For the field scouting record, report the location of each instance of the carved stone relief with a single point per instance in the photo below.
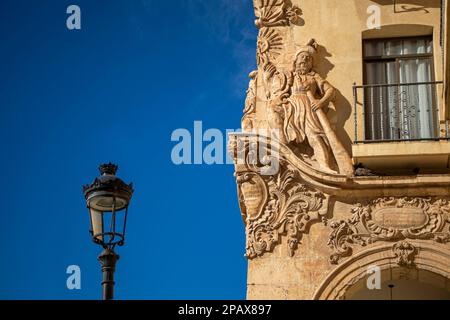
(269, 45)
(276, 205)
(297, 98)
(391, 219)
(404, 253)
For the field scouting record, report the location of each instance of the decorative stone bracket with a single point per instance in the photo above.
(273, 205)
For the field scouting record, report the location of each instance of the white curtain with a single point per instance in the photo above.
(416, 101)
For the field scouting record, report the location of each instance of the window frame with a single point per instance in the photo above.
(396, 58)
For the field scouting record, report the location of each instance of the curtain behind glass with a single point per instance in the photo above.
(381, 102)
(416, 101)
(378, 48)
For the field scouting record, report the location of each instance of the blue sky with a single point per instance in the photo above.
(114, 91)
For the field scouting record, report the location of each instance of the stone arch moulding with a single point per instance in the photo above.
(430, 257)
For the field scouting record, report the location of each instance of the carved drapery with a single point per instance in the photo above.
(391, 219)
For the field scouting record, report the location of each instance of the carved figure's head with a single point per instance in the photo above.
(304, 57)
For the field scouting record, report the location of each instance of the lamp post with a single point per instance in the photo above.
(107, 200)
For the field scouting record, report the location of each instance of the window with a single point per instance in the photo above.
(399, 96)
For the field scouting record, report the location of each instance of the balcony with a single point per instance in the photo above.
(399, 126)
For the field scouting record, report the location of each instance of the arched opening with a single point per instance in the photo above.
(426, 277)
(401, 284)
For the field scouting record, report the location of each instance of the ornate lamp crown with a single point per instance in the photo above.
(108, 168)
(109, 182)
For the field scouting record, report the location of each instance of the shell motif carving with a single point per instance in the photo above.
(275, 13)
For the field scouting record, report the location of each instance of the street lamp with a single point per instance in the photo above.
(107, 199)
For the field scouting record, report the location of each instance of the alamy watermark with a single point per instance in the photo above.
(256, 148)
(374, 19)
(73, 281)
(374, 278)
(73, 21)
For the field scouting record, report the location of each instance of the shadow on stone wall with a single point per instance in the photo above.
(343, 106)
(399, 6)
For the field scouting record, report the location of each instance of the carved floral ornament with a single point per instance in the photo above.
(391, 219)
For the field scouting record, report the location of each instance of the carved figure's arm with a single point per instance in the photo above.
(328, 93)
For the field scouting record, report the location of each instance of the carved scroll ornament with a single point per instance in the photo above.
(391, 219)
(275, 205)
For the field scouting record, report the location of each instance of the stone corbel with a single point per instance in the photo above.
(273, 205)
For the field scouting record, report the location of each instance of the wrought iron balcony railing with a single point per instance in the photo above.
(397, 112)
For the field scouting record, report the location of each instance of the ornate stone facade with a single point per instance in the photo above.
(313, 223)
